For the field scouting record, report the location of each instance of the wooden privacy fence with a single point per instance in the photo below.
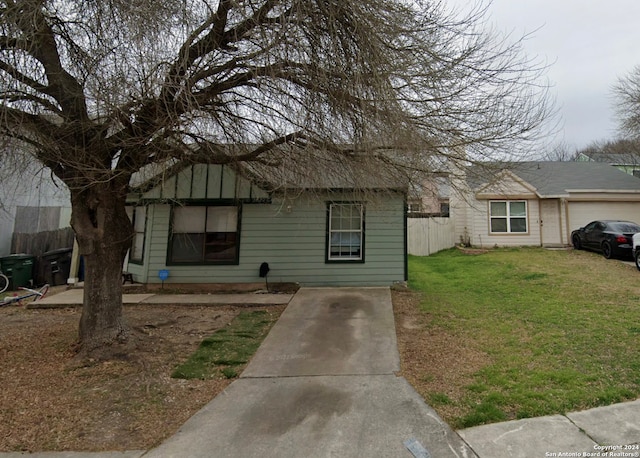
(429, 235)
(41, 242)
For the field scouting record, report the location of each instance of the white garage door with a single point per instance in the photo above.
(581, 213)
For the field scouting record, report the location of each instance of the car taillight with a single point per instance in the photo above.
(621, 239)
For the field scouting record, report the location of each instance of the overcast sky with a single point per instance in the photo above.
(589, 45)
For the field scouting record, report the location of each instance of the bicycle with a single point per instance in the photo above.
(36, 294)
(4, 282)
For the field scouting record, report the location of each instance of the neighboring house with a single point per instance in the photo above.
(430, 196)
(218, 224)
(429, 228)
(539, 203)
(30, 201)
(627, 162)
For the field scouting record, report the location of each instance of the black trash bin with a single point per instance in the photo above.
(57, 265)
(19, 269)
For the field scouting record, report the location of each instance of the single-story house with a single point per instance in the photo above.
(538, 203)
(218, 224)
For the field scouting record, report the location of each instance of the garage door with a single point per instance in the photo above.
(581, 213)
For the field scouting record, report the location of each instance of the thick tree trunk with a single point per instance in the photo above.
(103, 232)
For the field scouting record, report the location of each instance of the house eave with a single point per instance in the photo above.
(339, 189)
(553, 196)
(505, 196)
(604, 191)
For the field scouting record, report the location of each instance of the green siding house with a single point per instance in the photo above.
(208, 224)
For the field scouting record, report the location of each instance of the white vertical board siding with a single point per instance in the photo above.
(293, 243)
(426, 236)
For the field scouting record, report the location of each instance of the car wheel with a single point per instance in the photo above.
(637, 257)
(576, 242)
(607, 252)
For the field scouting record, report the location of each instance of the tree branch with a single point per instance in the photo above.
(22, 78)
(20, 96)
(62, 86)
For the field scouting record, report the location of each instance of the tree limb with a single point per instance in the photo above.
(62, 85)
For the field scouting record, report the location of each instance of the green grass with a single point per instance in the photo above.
(225, 353)
(561, 329)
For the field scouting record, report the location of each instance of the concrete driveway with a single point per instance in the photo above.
(331, 332)
(321, 385)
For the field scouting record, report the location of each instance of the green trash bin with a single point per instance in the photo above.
(19, 269)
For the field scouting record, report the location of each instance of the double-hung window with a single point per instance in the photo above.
(345, 241)
(138, 217)
(205, 235)
(509, 216)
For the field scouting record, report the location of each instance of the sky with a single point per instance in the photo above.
(589, 45)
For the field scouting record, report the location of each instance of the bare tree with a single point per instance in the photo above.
(624, 151)
(561, 152)
(96, 90)
(627, 103)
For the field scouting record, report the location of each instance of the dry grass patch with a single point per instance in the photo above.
(48, 404)
(438, 365)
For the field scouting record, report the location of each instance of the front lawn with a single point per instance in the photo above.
(544, 332)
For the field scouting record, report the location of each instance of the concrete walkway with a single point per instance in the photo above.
(74, 297)
(612, 431)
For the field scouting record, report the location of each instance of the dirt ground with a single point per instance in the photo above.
(433, 362)
(47, 403)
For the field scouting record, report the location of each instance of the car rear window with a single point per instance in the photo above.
(625, 227)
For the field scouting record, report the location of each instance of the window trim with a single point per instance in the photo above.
(333, 260)
(508, 217)
(206, 204)
(414, 207)
(132, 260)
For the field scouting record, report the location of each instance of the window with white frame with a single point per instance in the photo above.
(508, 216)
(345, 241)
(138, 217)
(414, 207)
(204, 235)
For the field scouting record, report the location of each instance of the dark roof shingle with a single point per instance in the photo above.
(558, 178)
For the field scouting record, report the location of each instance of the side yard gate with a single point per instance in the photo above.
(428, 235)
